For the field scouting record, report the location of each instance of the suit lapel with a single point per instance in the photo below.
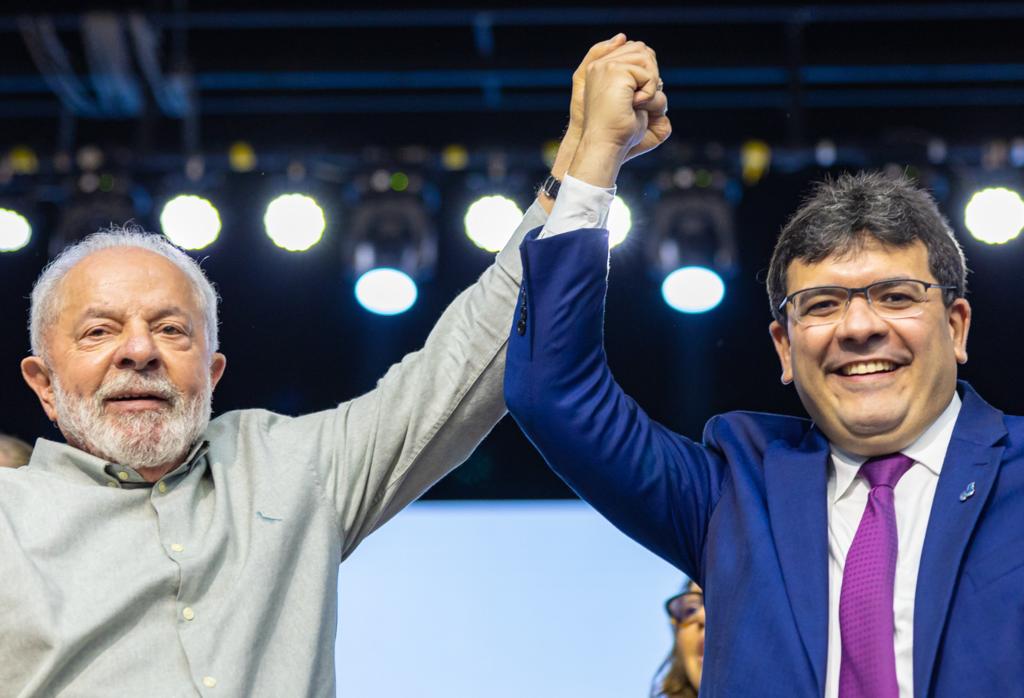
(795, 481)
(971, 458)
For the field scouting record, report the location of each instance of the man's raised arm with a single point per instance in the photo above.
(655, 485)
(378, 452)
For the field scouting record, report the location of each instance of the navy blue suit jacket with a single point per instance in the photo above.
(744, 512)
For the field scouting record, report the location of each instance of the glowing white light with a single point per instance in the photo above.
(693, 289)
(620, 220)
(995, 215)
(294, 222)
(491, 220)
(386, 291)
(15, 231)
(191, 222)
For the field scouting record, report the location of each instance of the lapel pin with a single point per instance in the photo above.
(968, 492)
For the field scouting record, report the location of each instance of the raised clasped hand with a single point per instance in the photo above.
(624, 107)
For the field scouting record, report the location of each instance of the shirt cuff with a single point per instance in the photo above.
(579, 205)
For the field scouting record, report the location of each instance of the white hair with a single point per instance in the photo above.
(46, 308)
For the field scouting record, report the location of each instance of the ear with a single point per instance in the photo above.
(780, 338)
(37, 374)
(959, 316)
(218, 363)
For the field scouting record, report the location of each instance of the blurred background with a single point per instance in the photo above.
(343, 173)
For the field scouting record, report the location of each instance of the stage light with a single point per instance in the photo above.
(389, 244)
(386, 291)
(620, 220)
(995, 215)
(693, 289)
(691, 228)
(87, 213)
(190, 222)
(295, 222)
(241, 157)
(491, 220)
(455, 157)
(15, 231)
(23, 160)
(825, 153)
(755, 158)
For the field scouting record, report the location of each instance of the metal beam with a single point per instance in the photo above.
(582, 16)
(418, 80)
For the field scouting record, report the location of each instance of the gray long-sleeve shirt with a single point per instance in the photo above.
(221, 579)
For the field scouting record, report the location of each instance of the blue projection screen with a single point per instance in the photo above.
(503, 600)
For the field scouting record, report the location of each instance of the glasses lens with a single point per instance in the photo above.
(898, 299)
(684, 606)
(819, 305)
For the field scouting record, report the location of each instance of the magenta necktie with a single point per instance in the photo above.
(868, 668)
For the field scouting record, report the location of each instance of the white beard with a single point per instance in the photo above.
(139, 440)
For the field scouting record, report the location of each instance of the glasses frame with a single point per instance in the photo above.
(683, 621)
(861, 290)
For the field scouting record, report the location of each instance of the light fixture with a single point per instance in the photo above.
(295, 222)
(190, 222)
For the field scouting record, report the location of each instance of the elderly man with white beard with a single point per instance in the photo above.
(158, 553)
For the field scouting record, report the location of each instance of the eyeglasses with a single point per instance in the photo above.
(826, 305)
(683, 607)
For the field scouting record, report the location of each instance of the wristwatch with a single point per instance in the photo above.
(550, 187)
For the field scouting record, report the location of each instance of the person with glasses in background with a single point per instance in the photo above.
(875, 550)
(679, 674)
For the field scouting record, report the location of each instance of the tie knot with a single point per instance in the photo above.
(886, 470)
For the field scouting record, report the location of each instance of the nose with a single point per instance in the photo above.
(138, 351)
(861, 323)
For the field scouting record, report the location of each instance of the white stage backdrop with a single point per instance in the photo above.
(501, 600)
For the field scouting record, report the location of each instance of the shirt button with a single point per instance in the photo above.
(161, 486)
(113, 484)
(209, 681)
(122, 475)
(177, 547)
(188, 613)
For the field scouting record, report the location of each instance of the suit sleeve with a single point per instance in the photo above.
(656, 486)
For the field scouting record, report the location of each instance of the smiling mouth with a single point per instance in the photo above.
(138, 400)
(864, 368)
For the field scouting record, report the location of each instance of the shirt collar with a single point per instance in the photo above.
(929, 450)
(70, 462)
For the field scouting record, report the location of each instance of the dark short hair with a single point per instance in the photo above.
(842, 214)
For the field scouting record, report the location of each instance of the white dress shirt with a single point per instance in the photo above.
(579, 205)
(847, 498)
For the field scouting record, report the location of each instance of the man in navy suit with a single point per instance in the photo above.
(903, 482)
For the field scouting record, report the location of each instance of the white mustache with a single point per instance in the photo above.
(158, 386)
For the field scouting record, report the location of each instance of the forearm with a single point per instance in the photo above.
(563, 159)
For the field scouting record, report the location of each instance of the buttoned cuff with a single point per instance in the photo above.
(579, 205)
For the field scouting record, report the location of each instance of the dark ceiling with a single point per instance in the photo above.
(327, 76)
